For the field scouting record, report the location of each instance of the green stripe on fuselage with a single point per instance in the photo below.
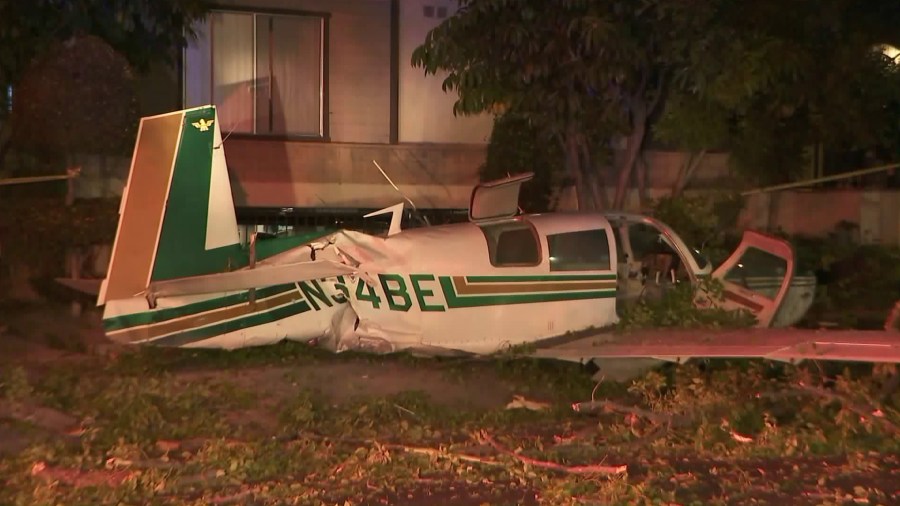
(542, 277)
(455, 301)
(199, 334)
(165, 314)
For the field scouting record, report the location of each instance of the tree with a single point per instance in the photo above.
(768, 79)
(70, 66)
(763, 80)
(585, 71)
(517, 146)
(62, 107)
(143, 31)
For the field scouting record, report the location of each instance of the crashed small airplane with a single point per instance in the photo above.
(180, 276)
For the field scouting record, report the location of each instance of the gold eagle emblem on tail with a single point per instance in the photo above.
(203, 124)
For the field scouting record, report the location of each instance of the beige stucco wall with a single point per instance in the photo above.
(425, 110)
(875, 214)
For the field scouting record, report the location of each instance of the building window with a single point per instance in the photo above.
(264, 72)
(586, 250)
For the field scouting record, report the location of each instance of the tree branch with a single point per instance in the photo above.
(864, 411)
(421, 450)
(588, 469)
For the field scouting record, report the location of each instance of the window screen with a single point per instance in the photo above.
(586, 250)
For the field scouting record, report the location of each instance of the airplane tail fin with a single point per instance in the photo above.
(177, 214)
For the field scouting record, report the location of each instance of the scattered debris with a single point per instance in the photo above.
(520, 402)
(588, 469)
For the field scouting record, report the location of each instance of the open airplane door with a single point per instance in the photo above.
(497, 200)
(758, 258)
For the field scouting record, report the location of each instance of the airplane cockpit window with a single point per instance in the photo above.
(511, 244)
(645, 240)
(657, 258)
(586, 250)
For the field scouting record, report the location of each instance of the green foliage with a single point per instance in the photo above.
(14, 385)
(767, 80)
(858, 284)
(518, 146)
(144, 31)
(78, 91)
(37, 230)
(63, 106)
(707, 221)
(762, 81)
(583, 71)
(688, 433)
(679, 308)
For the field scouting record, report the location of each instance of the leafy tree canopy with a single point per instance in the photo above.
(582, 70)
(62, 107)
(763, 79)
(767, 79)
(144, 31)
(64, 49)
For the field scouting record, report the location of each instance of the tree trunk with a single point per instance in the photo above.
(588, 187)
(570, 151)
(633, 147)
(593, 178)
(642, 169)
(687, 172)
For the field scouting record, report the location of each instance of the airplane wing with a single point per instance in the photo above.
(245, 279)
(787, 345)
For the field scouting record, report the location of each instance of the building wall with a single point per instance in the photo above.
(343, 175)
(358, 56)
(359, 72)
(425, 110)
(874, 214)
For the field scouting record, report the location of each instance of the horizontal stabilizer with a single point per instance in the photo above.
(246, 279)
(86, 286)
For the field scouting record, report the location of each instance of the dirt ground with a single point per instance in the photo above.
(85, 421)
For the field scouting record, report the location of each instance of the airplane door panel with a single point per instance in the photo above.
(757, 276)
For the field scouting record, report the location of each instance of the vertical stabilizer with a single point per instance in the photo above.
(177, 215)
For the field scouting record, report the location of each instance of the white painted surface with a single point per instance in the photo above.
(221, 223)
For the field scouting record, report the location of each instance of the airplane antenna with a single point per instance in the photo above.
(233, 128)
(411, 203)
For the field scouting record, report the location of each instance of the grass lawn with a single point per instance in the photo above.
(84, 422)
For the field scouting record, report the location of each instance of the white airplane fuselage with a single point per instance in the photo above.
(442, 287)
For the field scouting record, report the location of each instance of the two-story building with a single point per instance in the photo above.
(311, 92)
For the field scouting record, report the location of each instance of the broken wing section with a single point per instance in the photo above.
(789, 345)
(757, 276)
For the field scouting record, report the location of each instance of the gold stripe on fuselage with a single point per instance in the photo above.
(464, 288)
(154, 330)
